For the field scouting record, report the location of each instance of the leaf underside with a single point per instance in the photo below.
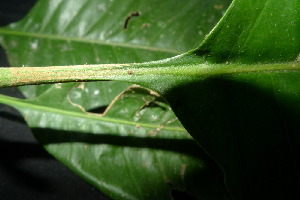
(238, 95)
(138, 149)
(243, 106)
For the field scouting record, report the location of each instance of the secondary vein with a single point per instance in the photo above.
(6, 31)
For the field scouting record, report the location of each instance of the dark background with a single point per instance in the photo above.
(27, 171)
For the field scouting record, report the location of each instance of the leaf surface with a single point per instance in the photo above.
(137, 150)
(238, 96)
(126, 155)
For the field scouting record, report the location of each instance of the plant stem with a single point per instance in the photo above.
(17, 76)
(146, 74)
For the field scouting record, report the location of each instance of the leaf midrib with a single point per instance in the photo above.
(200, 70)
(15, 102)
(7, 31)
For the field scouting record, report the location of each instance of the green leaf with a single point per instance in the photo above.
(136, 150)
(242, 103)
(255, 32)
(62, 32)
(89, 31)
(237, 95)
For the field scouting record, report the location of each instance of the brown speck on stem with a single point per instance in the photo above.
(130, 72)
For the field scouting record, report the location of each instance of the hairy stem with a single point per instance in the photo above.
(181, 68)
(17, 76)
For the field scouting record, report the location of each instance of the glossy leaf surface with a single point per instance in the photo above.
(242, 103)
(62, 32)
(241, 109)
(238, 94)
(137, 150)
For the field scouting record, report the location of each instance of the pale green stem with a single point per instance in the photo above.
(149, 73)
(17, 76)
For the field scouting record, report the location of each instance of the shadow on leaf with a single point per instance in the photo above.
(249, 123)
